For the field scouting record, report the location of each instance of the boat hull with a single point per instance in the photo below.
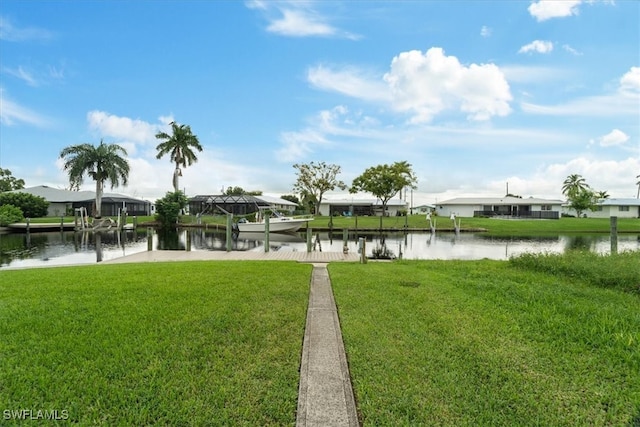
(276, 225)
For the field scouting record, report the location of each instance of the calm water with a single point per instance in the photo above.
(67, 248)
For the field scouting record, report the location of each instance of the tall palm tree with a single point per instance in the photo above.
(573, 185)
(638, 184)
(105, 162)
(179, 146)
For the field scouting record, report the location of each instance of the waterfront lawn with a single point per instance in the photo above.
(194, 343)
(487, 343)
(491, 225)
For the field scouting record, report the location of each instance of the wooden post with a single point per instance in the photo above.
(188, 239)
(149, 239)
(345, 241)
(362, 244)
(135, 222)
(614, 234)
(266, 234)
(28, 222)
(229, 228)
(309, 232)
(62, 223)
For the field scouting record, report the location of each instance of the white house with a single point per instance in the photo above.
(514, 207)
(606, 208)
(361, 207)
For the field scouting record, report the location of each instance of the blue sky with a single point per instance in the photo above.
(474, 94)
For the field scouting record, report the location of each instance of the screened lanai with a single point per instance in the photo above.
(235, 204)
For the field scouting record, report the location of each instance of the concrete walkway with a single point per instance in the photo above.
(325, 396)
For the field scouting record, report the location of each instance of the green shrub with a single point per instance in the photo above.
(30, 205)
(169, 207)
(10, 214)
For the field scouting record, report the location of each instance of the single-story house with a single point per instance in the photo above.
(238, 204)
(422, 209)
(64, 202)
(606, 208)
(361, 207)
(514, 207)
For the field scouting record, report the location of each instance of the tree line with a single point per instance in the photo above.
(107, 163)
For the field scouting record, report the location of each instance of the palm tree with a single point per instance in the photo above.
(601, 195)
(101, 163)
(573, 185)
(179, 146)
(638, 184)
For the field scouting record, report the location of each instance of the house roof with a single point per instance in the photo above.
(56, 195)
(360, 202)
(499, 201)
(619, 202)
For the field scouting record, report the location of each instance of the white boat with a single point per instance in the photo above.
(277, 223)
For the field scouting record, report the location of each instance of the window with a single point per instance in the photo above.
(545, 207)
(623, 208)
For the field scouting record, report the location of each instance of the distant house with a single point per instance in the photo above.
(606, 208)
(514, 207)
(238, 204)
(64, 202)
(422, 209)
(361, 207)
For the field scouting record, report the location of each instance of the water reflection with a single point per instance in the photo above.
(66, 248)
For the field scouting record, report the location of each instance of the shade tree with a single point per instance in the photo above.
(313, 180)
(385, 181)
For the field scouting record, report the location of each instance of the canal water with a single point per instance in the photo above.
(72, 248)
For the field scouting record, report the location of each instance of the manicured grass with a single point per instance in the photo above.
(492, 225)
(195, 343)
(487, 343)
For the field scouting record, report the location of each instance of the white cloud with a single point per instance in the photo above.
(534, 74)
(539, 46)
(615, 137)
(11, 33)
(350, 81)
(23, 75)
(485, 31)
(122, 128)
(625, 101)
(300, 24)
(12, 113)
(547, 9)
(297, 19)
(430, 83)
(630, 81)
(571, 50)
(614, 176)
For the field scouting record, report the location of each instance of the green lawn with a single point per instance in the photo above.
(488, 343)
(542, 340)
(491, 225)
(196, 343)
